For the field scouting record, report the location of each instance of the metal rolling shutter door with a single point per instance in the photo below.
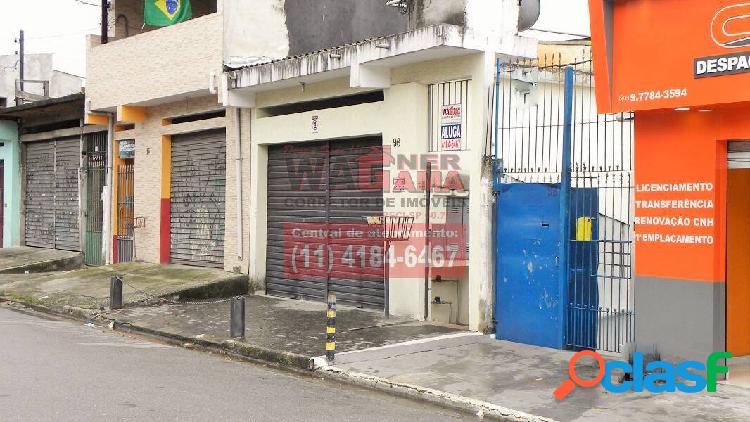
(310, 185)
(739, 155)
(39, 200)
(297, 196)
(67, 164)
(198, 191)
(356, 174)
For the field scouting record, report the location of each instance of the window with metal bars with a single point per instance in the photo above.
(448, 114)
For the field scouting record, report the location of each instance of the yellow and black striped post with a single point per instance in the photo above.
(331, 328)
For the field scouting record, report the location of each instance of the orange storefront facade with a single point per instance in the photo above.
(683, 67)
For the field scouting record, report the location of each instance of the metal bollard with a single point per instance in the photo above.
(115, 292)
(331, 329)
(237, 318)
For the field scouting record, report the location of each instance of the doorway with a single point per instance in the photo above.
(738, 249)
(198, 198)
(96, 179)
(125, 195)
(52, 194)
(330, 185)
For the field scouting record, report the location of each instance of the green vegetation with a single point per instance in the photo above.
(27, 299)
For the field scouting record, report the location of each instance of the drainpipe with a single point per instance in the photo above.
(238, 170)
(428, 251)
(108, 207)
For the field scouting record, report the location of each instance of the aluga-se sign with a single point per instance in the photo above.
(451, 127)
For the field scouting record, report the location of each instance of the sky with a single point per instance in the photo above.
(59, 26)
(564, 16)
(50, 26)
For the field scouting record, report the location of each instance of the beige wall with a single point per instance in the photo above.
(148, 68)
(235, 258)
(404, 115)
(148, 137)
(167, 71)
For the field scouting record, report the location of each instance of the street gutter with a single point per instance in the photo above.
(302, 365)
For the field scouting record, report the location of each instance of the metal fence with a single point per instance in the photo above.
(528, 148)
(96, 173)
(125, 235)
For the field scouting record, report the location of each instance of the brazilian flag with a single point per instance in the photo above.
(166, 12)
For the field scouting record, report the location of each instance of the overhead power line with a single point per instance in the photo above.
(88, 3)
(550, 31)
(63, 35)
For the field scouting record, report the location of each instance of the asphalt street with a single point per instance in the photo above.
(58, 370)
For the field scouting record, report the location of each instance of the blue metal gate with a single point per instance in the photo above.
(530, 302)
(563, 184)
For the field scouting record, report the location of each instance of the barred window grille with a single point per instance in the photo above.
(443, 95)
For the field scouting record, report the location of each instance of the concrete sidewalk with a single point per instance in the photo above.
(35, 260)
(441, 364)
(88, 288)
(522, 378)
(282, 325)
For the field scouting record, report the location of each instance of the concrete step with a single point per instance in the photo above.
(34, 260)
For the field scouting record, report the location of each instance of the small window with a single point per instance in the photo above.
(449, 102)
(3, 102)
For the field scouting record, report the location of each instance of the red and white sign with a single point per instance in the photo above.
(451, 127)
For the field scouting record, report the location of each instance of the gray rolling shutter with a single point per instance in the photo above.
(356, 180)
(67, 164)
(739, 155)
(52, 195)
(297, 197)
(39, 200)
(198, 191)
(320, 186)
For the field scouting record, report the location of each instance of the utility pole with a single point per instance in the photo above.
(21, 54)
(105, 22)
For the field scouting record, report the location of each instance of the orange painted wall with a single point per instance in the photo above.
(738, 262)
(679, 147)
(165, 236)
(653, 47)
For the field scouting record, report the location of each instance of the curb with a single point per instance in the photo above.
(69, 312)
(299, 364)
(440, 398)
(233, 348)
(64, 264)
(224, 288)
